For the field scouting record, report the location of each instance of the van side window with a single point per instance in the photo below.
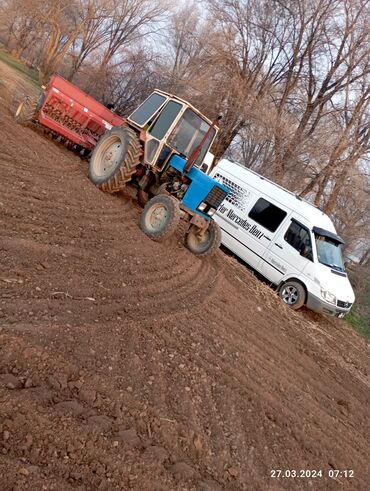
(267, 214)
(299, 238)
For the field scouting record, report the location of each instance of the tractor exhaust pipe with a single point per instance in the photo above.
(197, 150)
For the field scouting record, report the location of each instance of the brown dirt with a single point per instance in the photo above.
(128, 364)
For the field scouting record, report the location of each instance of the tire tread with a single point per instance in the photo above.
(215, 243)
(127, 168)
(172, 224)
(28, 111)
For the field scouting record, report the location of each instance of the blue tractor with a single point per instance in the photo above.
(163, 150)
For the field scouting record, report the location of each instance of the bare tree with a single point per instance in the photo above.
(97, 14)
(64, 22)
(21, 21)
(185, 40)
(127, 84)
(352, 144)
(130, 21)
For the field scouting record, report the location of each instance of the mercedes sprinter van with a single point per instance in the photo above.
(288, 240)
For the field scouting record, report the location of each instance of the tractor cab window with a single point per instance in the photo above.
(165, 119)
(147, 109)
(188, 133)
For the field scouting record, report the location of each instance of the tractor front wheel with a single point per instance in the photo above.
(160, 217)
(206, 243)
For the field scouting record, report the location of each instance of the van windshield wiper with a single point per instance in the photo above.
(325, 264)
(332, 266)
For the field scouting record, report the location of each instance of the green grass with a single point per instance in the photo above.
(359, 323)
(27, 73)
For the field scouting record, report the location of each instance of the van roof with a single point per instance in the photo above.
(286, 198)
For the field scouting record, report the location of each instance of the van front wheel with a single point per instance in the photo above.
(293, 294)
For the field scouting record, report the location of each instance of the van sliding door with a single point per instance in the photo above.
(239, 234)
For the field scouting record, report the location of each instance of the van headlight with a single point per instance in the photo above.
(329, 297)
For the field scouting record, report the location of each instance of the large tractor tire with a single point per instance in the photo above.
(114, 159)
(26, 111)
(160, 217)
(204, 244)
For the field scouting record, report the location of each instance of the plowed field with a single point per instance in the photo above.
(128, 364)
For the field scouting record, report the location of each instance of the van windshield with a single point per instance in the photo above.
(329, 252)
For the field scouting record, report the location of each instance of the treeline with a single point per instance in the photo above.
(291, 79)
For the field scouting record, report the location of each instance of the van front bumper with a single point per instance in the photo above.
(319, 305)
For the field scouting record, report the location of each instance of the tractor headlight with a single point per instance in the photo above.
(211, 212)
(329, 297)
(202, 206)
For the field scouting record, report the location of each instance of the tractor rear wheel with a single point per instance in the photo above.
(26, 111)
(206, 243)
(114, 159)
(160, 217)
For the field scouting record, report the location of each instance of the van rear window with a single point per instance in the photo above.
(267, 214)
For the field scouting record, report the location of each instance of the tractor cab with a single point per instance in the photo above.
(169, 125)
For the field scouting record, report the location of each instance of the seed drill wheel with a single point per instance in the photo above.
(114, 159)
(160, 217)
(206, 243)
(26, 111)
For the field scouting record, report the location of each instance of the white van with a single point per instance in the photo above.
(289, 241)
